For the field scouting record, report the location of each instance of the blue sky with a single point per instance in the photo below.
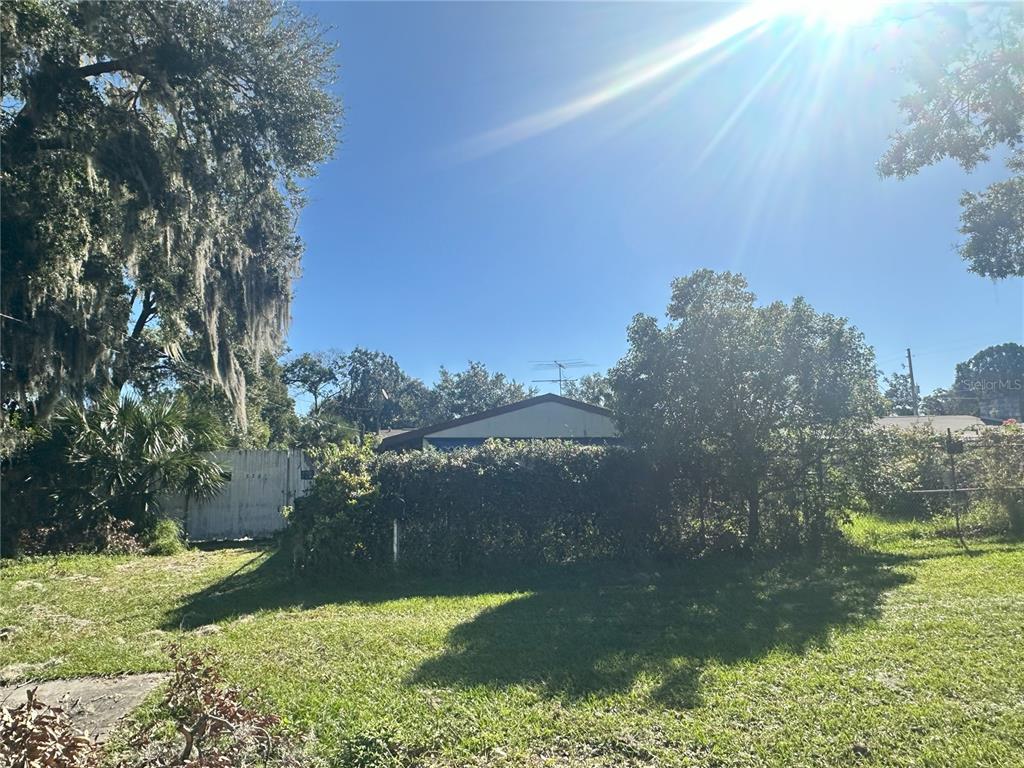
(467, 217)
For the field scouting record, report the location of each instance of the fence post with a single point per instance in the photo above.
(953, 447)
(394, 540)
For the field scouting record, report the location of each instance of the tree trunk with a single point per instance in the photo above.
(124, 368)
(753, 519)
(703, 507)
(816, 530)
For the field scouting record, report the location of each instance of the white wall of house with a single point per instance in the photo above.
(541, 420)
(250, 504)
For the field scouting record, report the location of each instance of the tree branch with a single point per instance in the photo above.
(145, 314)
(43, 98)
(104, 67)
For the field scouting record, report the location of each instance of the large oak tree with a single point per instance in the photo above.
(152, 155)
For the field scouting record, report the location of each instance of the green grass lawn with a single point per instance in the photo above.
(905, 651)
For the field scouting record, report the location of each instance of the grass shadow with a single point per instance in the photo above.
(601, 638)
(594, 629)
(266, 581)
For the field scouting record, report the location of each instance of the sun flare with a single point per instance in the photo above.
(687, 57)
(835, 14)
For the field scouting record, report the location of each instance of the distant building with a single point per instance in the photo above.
(937, 424)
(546, 417)
(1001, 402)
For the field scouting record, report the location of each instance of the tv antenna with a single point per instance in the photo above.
(561, 366)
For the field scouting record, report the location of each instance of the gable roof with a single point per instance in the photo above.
(415, 435)
(383, 434)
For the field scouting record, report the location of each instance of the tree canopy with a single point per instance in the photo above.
(314, 374)
(594, 388)
(967, 102)
(369, 390)
(944, 402)
(746, 404)
(992, 381)
(152, 155)
(900, 393)
(473, 390)
(373, 392)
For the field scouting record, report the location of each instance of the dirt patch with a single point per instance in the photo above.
(28, 584)
(12, 673)
(94, 704)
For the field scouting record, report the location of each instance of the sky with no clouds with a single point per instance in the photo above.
(515, 181)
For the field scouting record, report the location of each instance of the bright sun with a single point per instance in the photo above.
(684, 58)
(831, 13)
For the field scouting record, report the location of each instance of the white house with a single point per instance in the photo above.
(536, 418)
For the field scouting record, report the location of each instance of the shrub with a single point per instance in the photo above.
(541, 501)
(899, 464)
(547, 502)
(895, 463)
(510, 503)
(116, 537)
(112, 461)
(333, 525)
(994, 463)
(166, 538)
(109, 535)
(536, 501)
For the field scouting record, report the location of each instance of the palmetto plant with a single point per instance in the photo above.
(126, 455)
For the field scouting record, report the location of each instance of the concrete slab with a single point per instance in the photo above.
(94, 704)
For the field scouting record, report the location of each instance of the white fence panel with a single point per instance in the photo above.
(250, 505)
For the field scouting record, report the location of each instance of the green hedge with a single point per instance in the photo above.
(515, 502)
(541, 501)
(550, 502)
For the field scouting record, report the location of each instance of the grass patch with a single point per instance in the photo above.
(902, 651)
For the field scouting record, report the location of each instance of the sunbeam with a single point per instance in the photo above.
(636, 74)
(713, 43)
(737, 113)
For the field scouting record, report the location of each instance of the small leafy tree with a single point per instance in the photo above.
(314, 374)
(333, 525)
(738, 406)
(900, 394)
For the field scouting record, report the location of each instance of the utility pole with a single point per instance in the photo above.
(913, 386)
